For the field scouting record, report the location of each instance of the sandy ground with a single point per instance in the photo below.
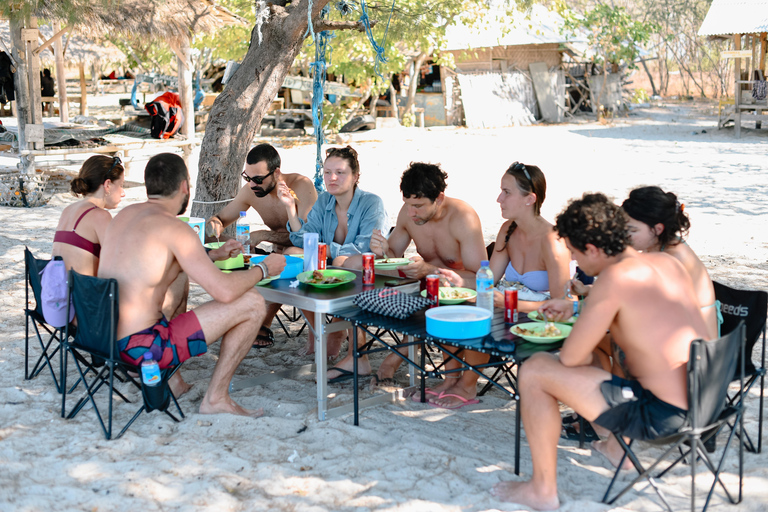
(404, 456)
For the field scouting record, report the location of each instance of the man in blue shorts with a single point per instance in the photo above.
(648, 303)
(146, 247)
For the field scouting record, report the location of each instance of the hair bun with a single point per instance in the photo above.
(78, 186)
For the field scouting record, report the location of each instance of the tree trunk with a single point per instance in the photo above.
(21, 86)
(393, 101)
(237, 112)
(650, 77)
(418, 61)
(186, 97)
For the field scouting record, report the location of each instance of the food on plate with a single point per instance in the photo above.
(451, 293)
(319, 278)
(549, 331)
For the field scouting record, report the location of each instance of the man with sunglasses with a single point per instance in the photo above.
(262, 174)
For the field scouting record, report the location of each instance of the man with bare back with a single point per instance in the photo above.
(447, 234)
(262, 175)
(633, 288)
(146, 248)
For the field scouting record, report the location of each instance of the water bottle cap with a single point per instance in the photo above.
(485, 263)
(147, 355)
(242, 214)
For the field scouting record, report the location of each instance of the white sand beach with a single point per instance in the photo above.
(404, 456)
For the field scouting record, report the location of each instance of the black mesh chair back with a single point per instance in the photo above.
(97, 312)
(48, 337)
(751, 307)
(710, 367)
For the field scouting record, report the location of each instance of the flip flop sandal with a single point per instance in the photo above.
(416, 397)
(377, 381)
(571, 433)
(344, 375)
(463, 402)
(265, 340)
(570, 419)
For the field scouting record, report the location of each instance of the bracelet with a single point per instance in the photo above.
(264, 271)
(576, 305)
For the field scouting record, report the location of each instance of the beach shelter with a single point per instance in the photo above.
(171, 21)
(745, 22)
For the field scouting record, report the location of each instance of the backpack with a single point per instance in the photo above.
(166, 115)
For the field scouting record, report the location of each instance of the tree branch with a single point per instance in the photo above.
(321, 25)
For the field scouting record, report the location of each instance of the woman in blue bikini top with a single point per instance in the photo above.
(527, 249)
(658, 223)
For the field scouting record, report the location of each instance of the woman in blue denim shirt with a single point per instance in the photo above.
(344, 217)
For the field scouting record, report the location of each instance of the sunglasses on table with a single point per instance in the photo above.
(256, 179)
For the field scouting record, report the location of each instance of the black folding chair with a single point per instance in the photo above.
(752, 308)
(96, 310)
(710, 367)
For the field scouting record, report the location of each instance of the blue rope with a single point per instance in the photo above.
(379, 49)
(318, 81)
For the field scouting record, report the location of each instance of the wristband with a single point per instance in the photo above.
(264, 271)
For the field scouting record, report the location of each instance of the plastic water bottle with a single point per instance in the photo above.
(484, 287)
(150, 370)
(243, 232)
(311, 241)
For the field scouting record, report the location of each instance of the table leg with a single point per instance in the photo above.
(517, 437)
(321, 362)
(423, 362)
(412, 357)
(355, 354)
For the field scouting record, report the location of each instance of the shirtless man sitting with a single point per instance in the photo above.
(146, 248)
(447, 234)
(632, 288)
(262, 175)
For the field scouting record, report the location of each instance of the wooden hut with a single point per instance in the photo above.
(745, 22)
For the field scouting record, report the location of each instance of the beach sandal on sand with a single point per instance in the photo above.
(571, 432)
(570, 419)
(416, 397)
(265, 338)
(377, 382)
(463, 402)
(344, 375)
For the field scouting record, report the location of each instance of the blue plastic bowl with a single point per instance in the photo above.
(293, 266)
(458, 322)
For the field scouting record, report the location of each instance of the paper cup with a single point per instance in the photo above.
(198, 224)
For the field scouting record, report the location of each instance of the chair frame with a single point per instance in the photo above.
(695, 436)
(106, 375)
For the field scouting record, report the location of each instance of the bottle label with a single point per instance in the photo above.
(242, 230)
(150, 374)
(484, 284)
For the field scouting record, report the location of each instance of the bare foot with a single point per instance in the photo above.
(524, 493)
(228, 406)
(333, 347)
(178, 385)
(611, 450)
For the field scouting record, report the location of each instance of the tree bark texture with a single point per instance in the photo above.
(417, 63)
(237, 112)
(21, 86)
(61, 79)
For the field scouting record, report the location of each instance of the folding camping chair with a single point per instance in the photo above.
(711, 365)
(96, 310)
(751, 307)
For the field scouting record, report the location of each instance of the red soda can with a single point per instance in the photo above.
(433, 288)
(322, 256)
(510, 306)
(369, 277)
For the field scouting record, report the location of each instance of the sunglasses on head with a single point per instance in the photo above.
(346, 151)
(115, 163)
(517, 166)
(256, 179)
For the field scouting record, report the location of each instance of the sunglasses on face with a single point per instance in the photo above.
(256, 179)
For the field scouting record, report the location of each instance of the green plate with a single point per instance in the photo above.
(446, 290)
(344, 275)
(565, 330)
(267, 281)
(390, 263)
(536, 317)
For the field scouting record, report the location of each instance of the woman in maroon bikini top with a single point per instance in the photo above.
(82, 224)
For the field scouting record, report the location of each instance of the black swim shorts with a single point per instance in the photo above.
(636, 412)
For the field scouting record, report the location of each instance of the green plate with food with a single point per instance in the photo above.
(267, 280)
(450, 295)
(538, 317)
(390, 263)
(540, 332)
(326, 278)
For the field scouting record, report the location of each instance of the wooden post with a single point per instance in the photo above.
(61, 79)
(31, 36)
(737, 90)
(763, 50)
(186, 95)
(83, 90)
(21, 85)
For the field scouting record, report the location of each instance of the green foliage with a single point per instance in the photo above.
(640, 95)
(409, 119)
(612, 32)
(334, 116)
